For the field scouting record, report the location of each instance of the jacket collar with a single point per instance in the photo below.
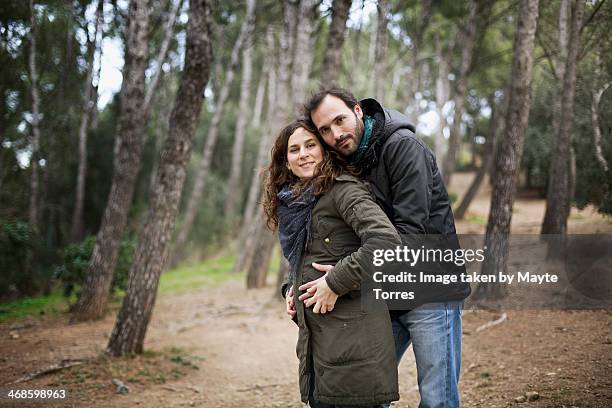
(372, 108)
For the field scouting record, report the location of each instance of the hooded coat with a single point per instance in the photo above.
(402, 173)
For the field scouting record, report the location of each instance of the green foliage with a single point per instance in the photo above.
(16, 248)
(76, 260)
(536, 158)
(26, 260)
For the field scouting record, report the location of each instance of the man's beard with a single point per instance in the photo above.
(357, 132)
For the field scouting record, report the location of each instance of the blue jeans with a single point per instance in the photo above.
(434, 329)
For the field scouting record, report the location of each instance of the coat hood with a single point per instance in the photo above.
(388, 121)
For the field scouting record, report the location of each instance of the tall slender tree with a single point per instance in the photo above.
(94, 47)
(35, 143)
(467, 43)
(557, 197)
(442, 96)
(249, 222)
(497, 112)
(380, 50)
(162, 54)
(241, 126)
(199, 185)
(257, 265)
(153, 247)
(510, 149)
(303, 52)
(93, 300)
(596, 129)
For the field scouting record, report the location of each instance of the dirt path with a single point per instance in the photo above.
(235, 348)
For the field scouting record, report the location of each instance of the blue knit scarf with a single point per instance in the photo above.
(294, 215)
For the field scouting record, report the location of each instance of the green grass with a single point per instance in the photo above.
(52, 304)
(211, 272)
(475, 219)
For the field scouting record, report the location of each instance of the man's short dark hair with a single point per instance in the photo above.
(315, 100)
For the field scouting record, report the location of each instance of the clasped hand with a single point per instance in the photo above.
(318, 293)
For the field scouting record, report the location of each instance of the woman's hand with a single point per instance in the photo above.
(290, 302)
(321, 296)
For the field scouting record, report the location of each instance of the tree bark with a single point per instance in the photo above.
(596, 129)
(162, 54)
(33, 217)
(239, 135)
(153, 247)
(557, 197)
(199, 186)
(259, 96)
(380, 50)
(260, 262)
(442, 95)
(93, 300)
(76, 230)
(510, 151)
(303, 51)
(467, 44)
(335, 40)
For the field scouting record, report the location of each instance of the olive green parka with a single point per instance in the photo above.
(348, 354)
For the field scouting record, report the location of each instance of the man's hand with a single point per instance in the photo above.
(290, 302)
(318, 267)
(321, 296)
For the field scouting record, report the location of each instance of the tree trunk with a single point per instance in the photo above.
(259, 95)
(414, 79)
(76, 230)
(380, 50)
(303, 51)
(260, 263)
(596, 129)
(467, 44)
(162, 54)
(442, 95)
(489, 153)
(153, 247)
(93, 300)
(557, 197)
(195, 198)
(241, 124)
(510, 151)
(335, 39)
(34, 176)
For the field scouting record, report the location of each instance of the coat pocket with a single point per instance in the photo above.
(341, 338)
(334, 240)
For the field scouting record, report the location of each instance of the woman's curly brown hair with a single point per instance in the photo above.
(278, 174)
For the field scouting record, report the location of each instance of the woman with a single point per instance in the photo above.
(327, 216)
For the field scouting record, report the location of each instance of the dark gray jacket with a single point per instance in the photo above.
(404, 177)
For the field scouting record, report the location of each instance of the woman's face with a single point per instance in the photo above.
(304, 152)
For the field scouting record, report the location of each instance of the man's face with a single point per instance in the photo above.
(340, 127)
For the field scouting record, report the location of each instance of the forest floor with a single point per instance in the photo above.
(219, 345)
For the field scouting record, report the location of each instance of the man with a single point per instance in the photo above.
(407, 184)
